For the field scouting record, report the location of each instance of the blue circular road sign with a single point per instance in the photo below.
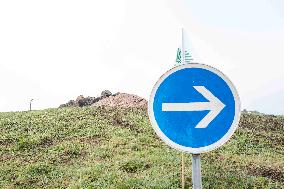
(194, 108)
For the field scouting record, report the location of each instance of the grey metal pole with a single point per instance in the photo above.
(31, 104)
(196, 171)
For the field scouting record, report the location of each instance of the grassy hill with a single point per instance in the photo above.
(117, 148)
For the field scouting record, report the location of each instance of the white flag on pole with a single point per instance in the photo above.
(185, 53)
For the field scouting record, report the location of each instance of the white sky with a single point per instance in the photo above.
(55, 50)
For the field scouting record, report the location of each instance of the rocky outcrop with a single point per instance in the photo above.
(70, 103)
(122, 100)
(107, 99)
(105, 93)
(82, 101)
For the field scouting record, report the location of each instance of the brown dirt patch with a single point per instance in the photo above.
(272, 172)
(122, 100)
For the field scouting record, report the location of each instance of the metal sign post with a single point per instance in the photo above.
(196, 171)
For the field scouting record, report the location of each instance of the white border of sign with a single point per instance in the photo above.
(213, 146)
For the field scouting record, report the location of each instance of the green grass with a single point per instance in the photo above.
(117, 148)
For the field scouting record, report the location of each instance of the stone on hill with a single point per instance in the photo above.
(88, 101)
(70, 103)
(106, 93)
(107, 99)
(80, 97)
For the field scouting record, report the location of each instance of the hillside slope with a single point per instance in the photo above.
(96, 147)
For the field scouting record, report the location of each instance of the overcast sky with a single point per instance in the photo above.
(55, 50)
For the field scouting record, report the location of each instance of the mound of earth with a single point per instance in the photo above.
(108, 99)
(87, 101)
(122, 100)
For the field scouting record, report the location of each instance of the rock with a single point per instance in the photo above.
(116, 94)
(70, 103)
(97, 99)
(105, 93)
(88, 101)
(79, 98)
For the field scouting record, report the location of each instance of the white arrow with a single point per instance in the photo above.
(214, 105)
